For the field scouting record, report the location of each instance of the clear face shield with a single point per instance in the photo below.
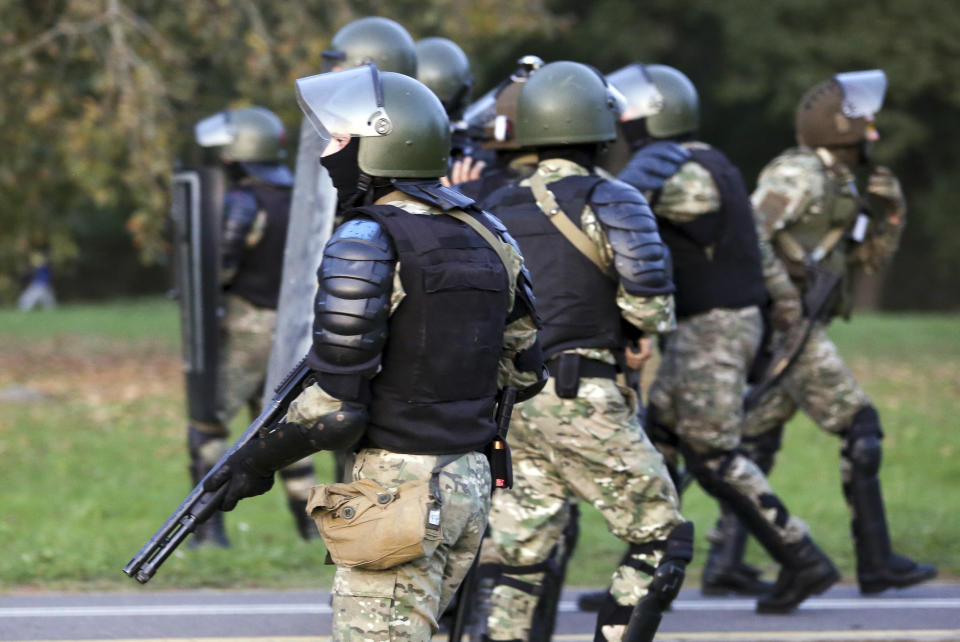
(863, 92)
(215, 131)
(641, 96)
(342, 104)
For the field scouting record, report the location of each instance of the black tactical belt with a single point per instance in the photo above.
(587, 368)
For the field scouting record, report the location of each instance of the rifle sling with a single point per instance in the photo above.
(549, 206)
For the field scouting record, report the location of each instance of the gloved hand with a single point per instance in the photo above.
(242, 477)
(885, 188)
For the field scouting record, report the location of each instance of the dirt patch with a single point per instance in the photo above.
(96, 370)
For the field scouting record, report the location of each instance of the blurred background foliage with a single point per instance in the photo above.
(99, 98)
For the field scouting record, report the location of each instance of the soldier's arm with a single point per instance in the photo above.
(242, 227)
(620, 223)
(349, 332)
(688, 195)
(887, 208)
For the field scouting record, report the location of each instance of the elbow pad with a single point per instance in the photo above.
(641, 258)
(353, 300)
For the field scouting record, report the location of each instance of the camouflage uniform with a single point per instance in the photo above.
(591, 448)
(405, 601)
(698, 390)
(799, 186)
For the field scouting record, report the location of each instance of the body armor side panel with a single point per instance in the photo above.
(437, 388)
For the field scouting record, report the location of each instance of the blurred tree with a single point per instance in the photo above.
(100, 97)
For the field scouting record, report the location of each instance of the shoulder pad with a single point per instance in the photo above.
(616, 191)
(360, 239)
(434, 193)
(652, 165)
(241, 204)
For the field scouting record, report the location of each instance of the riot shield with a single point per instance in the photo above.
(196, 212)
(312, 209)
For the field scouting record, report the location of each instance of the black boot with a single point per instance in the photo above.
(211, 532)
(878, 567)
(725, 572)
(809, 572)
(592, 601)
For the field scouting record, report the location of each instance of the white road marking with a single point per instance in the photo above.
(308, 608)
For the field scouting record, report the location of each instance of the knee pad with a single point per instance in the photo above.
(710, 468)
(862, 443)
(205, 446)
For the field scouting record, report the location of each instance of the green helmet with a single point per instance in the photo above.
(681, 103)
(837, 112)
(404, 131)
(494, 116)
(663, 96)
(444, 68)
(372, 39)
(251, 134)
(566, 103)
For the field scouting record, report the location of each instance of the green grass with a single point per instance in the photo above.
(92, 469)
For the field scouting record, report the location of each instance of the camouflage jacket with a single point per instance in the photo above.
(805, 189)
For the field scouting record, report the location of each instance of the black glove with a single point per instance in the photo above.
(242, 477)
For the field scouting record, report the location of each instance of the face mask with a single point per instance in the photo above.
(345, 173)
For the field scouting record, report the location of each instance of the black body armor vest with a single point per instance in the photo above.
(716, 257)
(575, 300)
(260, 272)
(437, 388)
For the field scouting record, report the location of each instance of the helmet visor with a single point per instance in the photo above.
(215, 131)
(345, 103)
(863, 92)
(641, 95)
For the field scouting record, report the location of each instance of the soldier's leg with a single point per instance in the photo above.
(206, 444)
(609, 462)
(526, 524)
(715, 358)
(245, 353)
(404, 602)
(725, 571)
(827, 391)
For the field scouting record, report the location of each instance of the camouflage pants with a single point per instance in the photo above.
(591, 448)
(404, 602)
(246, 337)
(698, 396)
(820, 384)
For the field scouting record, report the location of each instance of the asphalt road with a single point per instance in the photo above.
(930, 612)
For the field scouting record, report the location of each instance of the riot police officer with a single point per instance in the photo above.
(492, 121)
(598, 264)
(822, 228)
(249, 143)
(319, 183)
(417, 283)
(705, 217)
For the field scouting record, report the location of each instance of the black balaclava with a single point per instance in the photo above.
(584, 155)
(345, 174)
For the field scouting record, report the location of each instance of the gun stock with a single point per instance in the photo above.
(199, 505)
